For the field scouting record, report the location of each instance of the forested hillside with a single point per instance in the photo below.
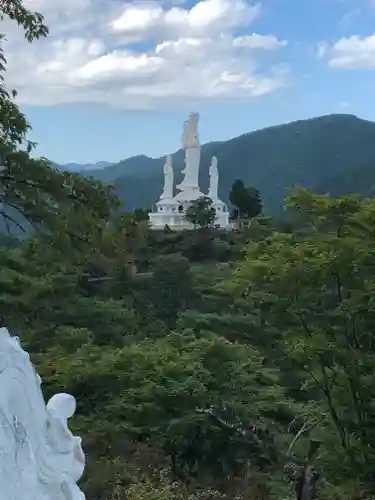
(360, 180)
(308, 153)
(212, 372)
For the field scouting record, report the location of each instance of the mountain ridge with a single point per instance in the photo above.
(142, 156)
(81, 167)
(304, 152)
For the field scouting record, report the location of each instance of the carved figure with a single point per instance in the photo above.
(168, 179)
(214, 180)
(40, 459)
(190, 142)
(190, 137)
(63, 462)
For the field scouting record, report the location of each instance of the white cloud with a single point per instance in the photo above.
(256, 41)
(353, 52)
(144, 54)
(142, 20)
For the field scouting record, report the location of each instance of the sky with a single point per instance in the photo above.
(117, 78)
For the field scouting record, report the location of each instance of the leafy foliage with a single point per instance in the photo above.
(246, 200)
(141, 215)
(201, 213)
(279, 346)
(319, 287)
(167, 489)
(33, 193)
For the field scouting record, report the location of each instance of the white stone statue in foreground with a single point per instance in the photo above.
(168, 179)
(214, 180)
(40, 459)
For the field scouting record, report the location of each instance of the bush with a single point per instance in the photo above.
(163, 488)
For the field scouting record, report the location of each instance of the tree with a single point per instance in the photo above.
(141, 214)
(312, 294)
(34, 195)
(43, 297)
(151, 390)
(201, 213)
(171, 287)
(246, 200)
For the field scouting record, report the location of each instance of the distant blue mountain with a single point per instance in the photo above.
(79, 167)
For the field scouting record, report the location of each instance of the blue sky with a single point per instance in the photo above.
(116, 79)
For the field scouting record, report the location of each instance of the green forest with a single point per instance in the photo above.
(228, 363)
(207, 365)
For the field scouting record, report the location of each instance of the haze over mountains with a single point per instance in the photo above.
(79, 167)
(333, 153)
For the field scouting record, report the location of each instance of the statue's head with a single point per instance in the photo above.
(193, 117)
(190, 133)
(62, 406)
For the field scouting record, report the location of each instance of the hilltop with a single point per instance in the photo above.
(83, 167)
(318, 153)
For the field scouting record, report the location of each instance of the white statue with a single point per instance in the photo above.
(168, 179)
(190, 142)
(190, 136)
(40, 459)
(214, 180)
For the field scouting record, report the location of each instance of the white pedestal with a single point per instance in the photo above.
(222, 215)
(171, 212)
